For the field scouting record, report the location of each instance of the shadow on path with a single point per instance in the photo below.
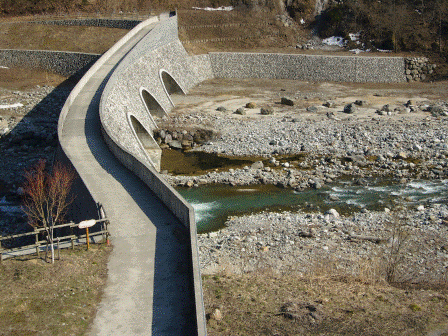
(173, 292)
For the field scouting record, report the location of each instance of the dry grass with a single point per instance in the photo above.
(264, 303)
(43, 299)
(23, 78)
(251, 29)
(47, 37)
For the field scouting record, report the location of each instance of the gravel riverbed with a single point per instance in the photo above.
(336, 130)
(362, 244)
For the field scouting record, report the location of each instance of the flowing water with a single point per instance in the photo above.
(213, 204)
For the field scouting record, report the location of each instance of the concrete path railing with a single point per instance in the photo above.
(150, 288)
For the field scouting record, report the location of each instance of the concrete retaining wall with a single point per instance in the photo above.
(108, 23)
(61, 62)
(308, 67)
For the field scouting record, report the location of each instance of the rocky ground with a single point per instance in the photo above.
(28, 133)
(312, 134)
(363, 244)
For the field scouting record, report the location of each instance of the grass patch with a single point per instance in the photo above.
(58, 299)
(263, 303)
(95, 40)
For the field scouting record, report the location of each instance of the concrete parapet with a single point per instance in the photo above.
(62, 62)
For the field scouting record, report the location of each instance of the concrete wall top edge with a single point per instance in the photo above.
(50, 51)
(303, 55)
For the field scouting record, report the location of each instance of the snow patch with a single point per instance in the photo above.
(222, 8)
(16, 105)
(3, 67)
(302, 21)
(354, 37)
(334, 41)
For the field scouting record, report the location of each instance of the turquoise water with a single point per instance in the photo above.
(213, 204)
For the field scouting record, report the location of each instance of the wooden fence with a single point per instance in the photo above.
(68, 241)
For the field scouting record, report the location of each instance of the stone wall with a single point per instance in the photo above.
(417, 68)
(308, 67)
(108, 23)
(60, 62)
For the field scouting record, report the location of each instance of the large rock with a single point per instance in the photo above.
(240, 111)
(257, 165)
(287, 101)
(266, 110)
(175, 144)
(251, 105)
(350, 108)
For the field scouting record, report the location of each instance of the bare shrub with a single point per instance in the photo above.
(397, 248)
(46, 197)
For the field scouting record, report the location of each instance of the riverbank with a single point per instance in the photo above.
(363, 244)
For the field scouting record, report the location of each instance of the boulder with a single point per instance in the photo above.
(267, 110)
(175, 144)
(350, 108)
(240, 111)
(329, 104)
(287, 101)
(257, 165)
(251, 105)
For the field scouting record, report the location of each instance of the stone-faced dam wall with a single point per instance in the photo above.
(64, 63)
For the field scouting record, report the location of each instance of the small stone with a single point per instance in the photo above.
(311, 109)
(221, 109)
(420, 208)
(216, 315)
(333, 212)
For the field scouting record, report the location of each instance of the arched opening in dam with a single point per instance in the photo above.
(152, 105)
(148, 143)
(171, 86)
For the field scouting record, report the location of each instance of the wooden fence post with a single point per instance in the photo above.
(37, 243)
(59, 251)
(1, 253)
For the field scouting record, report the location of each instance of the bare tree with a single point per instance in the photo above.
(46, 197)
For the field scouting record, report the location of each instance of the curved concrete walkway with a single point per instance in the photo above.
(149, 289)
